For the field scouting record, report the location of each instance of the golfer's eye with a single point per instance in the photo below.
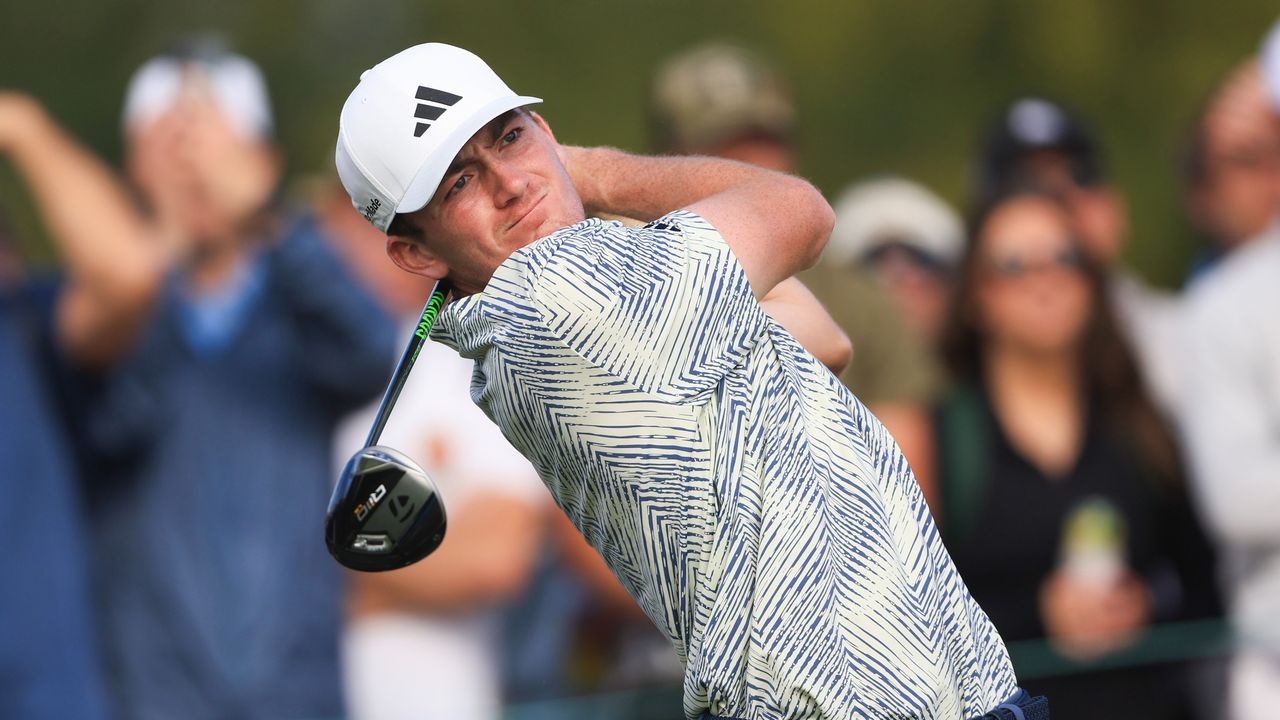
(458, 184)
(511, 135)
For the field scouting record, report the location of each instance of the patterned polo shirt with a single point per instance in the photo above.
(764, 520)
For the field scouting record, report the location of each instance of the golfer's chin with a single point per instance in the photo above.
(549, 225)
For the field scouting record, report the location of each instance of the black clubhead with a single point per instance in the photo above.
(385, 512)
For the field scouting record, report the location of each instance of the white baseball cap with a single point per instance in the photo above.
(875, 212)
(235, 84)
(406, 121)
(1271, 64)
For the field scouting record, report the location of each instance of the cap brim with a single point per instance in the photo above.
(424, 184)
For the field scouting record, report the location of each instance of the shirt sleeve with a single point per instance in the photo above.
(666, 307)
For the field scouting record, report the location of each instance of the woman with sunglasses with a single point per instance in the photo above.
(1063, 500)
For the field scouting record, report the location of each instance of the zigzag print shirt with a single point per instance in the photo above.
(759, 514)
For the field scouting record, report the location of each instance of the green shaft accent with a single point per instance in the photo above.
(429, 313)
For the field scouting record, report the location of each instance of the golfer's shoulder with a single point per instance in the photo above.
(599, 251)
(589, 267)
(689, 227)
(612, 236)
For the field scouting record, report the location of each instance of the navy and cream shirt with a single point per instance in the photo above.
(759, 514)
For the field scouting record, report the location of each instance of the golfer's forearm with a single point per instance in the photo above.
(616, 182)
(776, 224)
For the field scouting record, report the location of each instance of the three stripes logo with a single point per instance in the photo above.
(433, 104)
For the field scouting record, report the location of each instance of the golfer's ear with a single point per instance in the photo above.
(412, 255)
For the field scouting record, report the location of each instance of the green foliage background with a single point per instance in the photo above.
(903, 86)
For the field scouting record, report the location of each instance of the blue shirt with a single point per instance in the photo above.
(758, 513)
(211, 474)
(48, 654)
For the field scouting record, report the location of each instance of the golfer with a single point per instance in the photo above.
(758, 513)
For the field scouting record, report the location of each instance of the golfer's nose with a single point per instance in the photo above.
(510, 183)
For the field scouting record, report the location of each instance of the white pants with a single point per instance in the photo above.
(412, 667)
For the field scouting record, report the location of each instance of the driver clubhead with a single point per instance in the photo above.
(385, 512)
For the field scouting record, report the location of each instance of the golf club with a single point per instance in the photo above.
(385, 512)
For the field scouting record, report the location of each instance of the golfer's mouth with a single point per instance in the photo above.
(533, 206)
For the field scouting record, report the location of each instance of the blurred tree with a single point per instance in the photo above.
(883, 85)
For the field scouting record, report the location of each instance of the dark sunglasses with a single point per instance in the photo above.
(1014, 268)
(918, 258)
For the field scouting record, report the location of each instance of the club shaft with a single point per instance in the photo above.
(435, 301)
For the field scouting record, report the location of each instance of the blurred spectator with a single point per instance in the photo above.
(1049, 437)
(425, 641)
(723, 100)
(48, 660)
(1038, 142)
(225, 342)
(1233, 165)
(1231, 420)
(908, 238)
(1270, 59)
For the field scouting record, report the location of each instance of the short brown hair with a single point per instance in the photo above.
(402, 226)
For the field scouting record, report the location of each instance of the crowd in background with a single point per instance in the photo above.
(1102, 458)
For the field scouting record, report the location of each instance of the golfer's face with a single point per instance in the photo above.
(506, 188)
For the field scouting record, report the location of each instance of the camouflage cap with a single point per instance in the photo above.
(716, 93)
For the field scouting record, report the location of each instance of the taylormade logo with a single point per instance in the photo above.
(401, 507)
(434, 102)
(371, 209)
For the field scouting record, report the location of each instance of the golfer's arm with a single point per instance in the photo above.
(112, 274)
(776, 224)
(796, 309)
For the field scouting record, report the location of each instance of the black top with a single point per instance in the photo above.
(1010, 539)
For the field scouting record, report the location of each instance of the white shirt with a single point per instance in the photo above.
(758, 513)
(1231, 418)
